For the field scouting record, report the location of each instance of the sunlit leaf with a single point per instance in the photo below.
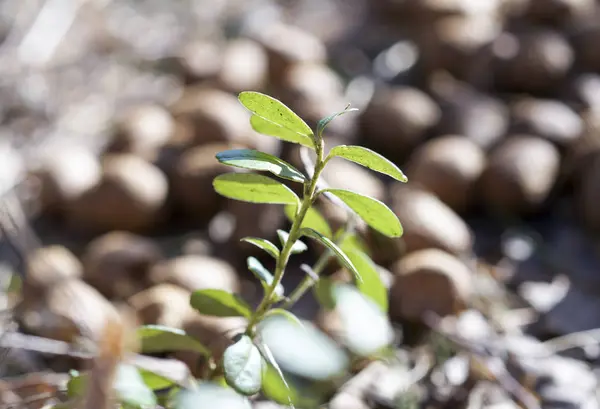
(371, 285)
(369, 159)
(322, 124)
(372, 211)
(265, 127)
(131, 389)
(253, 188)
(255, 160)
(157, 338)
(263, 244)
(297, 248)
(243, 365)
(365, 329)
(210, 395)
(302, 350)
(155, 381)
(219, 303)
(284, 313)
(265, 277)
(313, 219)
(274, 111)
(341, 256)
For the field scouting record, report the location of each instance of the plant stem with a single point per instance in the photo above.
(307, 283)
(284, 255)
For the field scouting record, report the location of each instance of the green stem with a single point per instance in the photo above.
(284, 255)
(308, 281)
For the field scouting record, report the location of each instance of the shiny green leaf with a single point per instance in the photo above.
(297, 248)
(369, 159)
(313, 220)
(371, 285)
(130, 388)
(302, 350)
(263, 244)
(219, 303)
(284, 313)
(210, 395)
(322, 124)
(341, 256)
(264, 276)
(253, 188)
(372, 211)
(158, 338)
(365, 329)
(265, 127)
(243, 366)
(255, 160)
(274, 111)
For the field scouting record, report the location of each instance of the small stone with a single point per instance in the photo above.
(449, 167)
(429, 280)
(549, 119)
(118, 263)
(559, 12)
(195, 272)
(47, 266)
(131, 196)
(143, 130)
(584, 39)
(398, 119)
(520, 174)
(533, 61)
(588, 194)
(163, 304)
(245, 66)
(200, 60)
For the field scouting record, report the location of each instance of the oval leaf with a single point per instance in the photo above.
(371, 285)
(243, 365)
(219, 303)
(315, 235)
(210, 395)
(365, 329)
(284, 313)
(274, 111)
(255, 160)
(322, 124)
(265, 127)
(157, 338)
(313, 219)
(131, 389)
(302, 350)
(369, 159)
(297, 248)
(253, 188)
(265, 277)
(266, 245)
(375, 213)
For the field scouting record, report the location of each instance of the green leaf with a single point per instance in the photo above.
(315, 235)
(130, 388)
(155, 381)
(265, 127)
(369, 159)
(243, 365)
(285, 391)
(264, 276)
(284, 313)
(253, 188)
(274, 111)
(219, 303)
(371, 285)
(297, 248)
(157, 338)
(365, 329)
(266, 245)
(322, 124)
(313, 220)
(255, 160)
(323, 291)
(302, 350)
(77, 384)
(210, 395)
(352, 241)
(375, 213)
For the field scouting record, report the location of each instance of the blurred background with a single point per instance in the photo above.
(111, 112)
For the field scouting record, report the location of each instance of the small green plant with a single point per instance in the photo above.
(290, 361)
